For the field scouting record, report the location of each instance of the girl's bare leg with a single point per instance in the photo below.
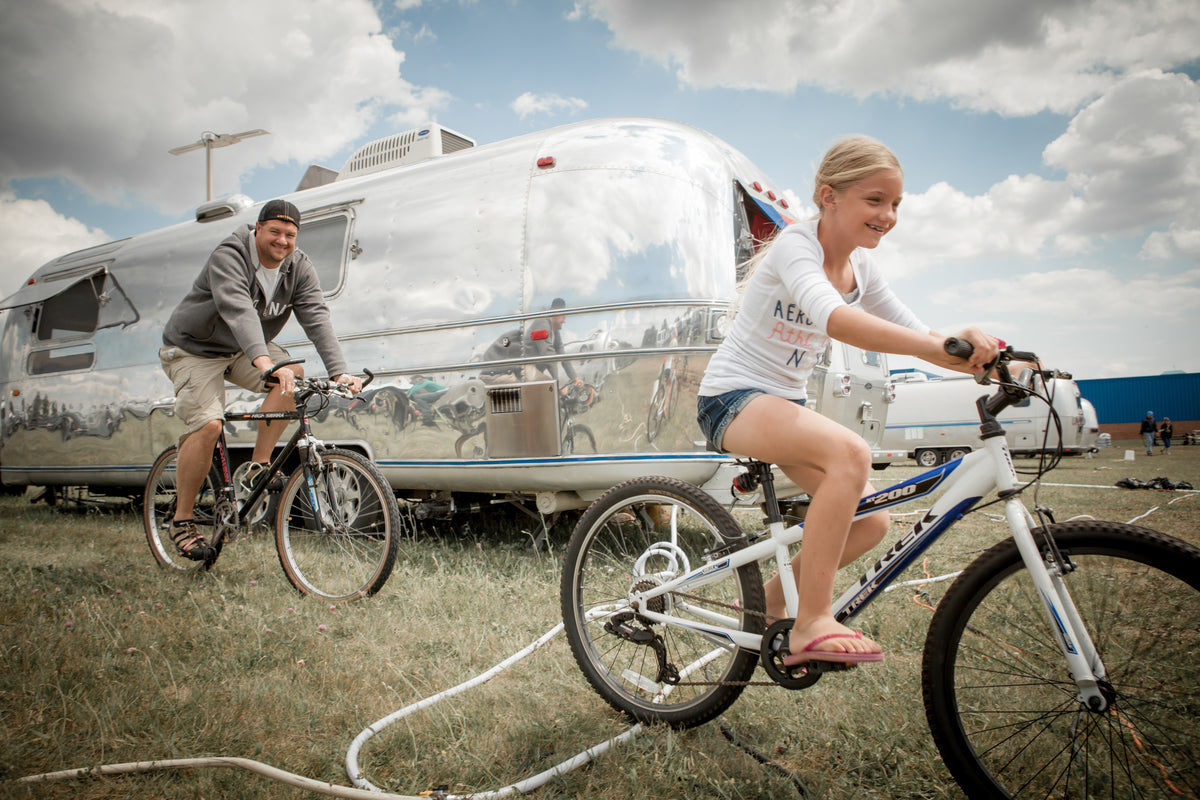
(806, 445)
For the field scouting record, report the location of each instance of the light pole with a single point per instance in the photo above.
(208, 140)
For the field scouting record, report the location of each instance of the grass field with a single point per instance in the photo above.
(107, 659)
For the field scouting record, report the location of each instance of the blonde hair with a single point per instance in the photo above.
(849, 161)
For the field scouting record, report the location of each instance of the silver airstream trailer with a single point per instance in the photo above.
(440, 276)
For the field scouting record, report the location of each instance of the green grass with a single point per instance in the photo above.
(106, 659)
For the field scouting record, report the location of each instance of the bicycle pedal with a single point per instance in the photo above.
(821, 667)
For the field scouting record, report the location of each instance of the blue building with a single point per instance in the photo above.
(1121, 403)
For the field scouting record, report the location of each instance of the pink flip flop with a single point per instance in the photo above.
(809, 654)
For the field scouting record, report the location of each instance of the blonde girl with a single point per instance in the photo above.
(817, 280)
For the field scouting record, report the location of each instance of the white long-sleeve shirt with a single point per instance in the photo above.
(782, 325)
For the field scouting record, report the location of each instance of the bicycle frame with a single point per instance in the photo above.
(965, 481)
(301, 438)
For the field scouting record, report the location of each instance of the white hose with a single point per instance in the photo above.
(365, 789)
(356, 776)
(217, 761)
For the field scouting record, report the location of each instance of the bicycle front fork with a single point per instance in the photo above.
(1046, 573)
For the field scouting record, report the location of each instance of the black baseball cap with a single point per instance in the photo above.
(280, 209)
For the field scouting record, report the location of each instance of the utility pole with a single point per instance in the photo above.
(208, 140)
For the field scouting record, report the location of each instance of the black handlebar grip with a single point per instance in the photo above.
(959, 348)
(269, 376)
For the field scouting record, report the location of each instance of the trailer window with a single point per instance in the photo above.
(84, 307)
(324, 241)
(69, 313)
(61, 359)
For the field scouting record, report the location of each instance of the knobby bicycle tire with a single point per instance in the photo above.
(1003, 709)
(349, 550)
(158, 509)
(643, 532)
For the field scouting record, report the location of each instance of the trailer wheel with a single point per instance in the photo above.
(957, 452)
(927, 458)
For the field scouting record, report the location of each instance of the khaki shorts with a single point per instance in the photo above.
(199, 382)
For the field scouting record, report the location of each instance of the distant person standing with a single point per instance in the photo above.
(1165, 432)
(1147, 430)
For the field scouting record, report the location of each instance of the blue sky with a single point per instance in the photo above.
(1051, 148)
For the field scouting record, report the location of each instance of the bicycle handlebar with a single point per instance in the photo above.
(324, 386)
(961, 348)
(328, 386)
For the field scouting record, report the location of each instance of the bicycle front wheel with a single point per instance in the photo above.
(638, 535)
(158, 509)
(1005, 712)
(338, 538)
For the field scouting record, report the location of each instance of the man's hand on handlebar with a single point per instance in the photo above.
(353, 382)
(281, 375)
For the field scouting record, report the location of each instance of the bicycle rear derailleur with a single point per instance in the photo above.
(623, 626)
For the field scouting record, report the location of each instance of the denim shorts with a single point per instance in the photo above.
(716, 413)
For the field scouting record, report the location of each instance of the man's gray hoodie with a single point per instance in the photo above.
(226, 311)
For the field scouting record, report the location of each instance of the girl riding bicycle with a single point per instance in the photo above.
(813, 282)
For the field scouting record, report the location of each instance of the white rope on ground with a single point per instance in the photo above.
(218, 761)
(919, 581)
(1094, 486)
(363, 789)
(356, 776)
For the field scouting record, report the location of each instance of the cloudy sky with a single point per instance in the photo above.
(1051, 147)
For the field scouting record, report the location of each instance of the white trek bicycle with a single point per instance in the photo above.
(1063, 662)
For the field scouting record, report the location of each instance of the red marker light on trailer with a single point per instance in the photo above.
(546, 161)
(757, 186)
(539, 335)
(770, 195)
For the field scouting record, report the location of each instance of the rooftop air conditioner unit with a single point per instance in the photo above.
(401, 149)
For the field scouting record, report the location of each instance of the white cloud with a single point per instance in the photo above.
(1133, 155)
(1087, 321)
(529, 104)
(316, 75)
(33, 233)
(1013, 58)
(1132, 164)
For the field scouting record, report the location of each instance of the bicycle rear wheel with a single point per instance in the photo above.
(640, 534)
(1002, 707)
(656, 413)
(344, 547)
(158, 509)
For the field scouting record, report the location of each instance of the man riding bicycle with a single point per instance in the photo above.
(223, 330)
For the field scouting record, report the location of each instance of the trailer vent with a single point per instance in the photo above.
(505, 401)
(522, 420)
(402, 149)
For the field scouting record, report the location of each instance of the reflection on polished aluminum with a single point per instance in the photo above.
(637, 225)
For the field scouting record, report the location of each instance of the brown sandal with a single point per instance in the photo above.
(188, 541)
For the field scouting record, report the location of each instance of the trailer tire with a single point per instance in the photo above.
(927, 457)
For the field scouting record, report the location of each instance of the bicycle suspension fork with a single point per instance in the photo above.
(1046, 569)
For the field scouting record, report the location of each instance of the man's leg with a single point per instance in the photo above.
(243, 373)
(269, 432)
(192, 465)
